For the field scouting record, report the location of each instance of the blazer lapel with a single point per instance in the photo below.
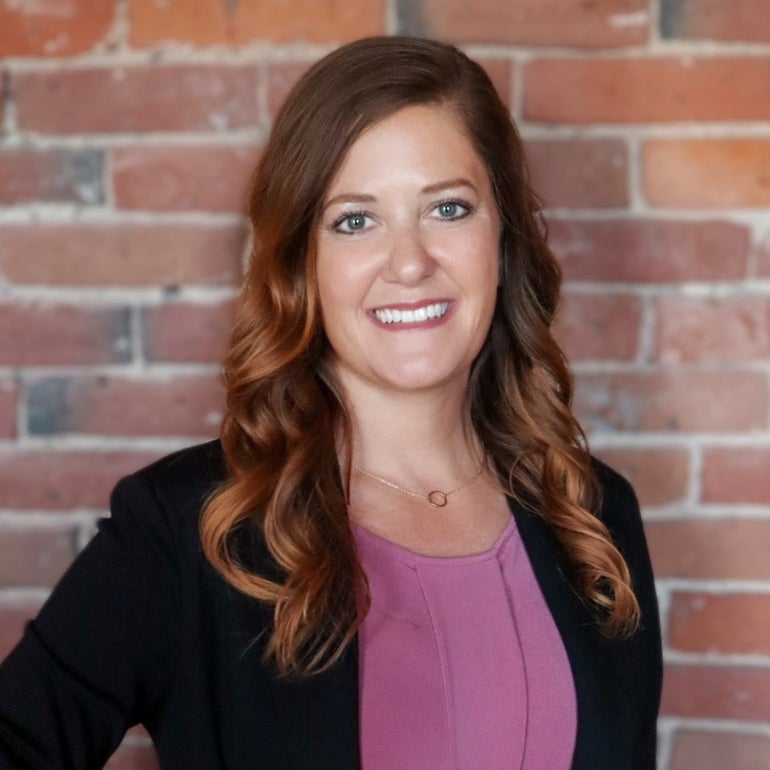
(598, 743)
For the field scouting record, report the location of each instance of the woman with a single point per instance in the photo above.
(400, 554)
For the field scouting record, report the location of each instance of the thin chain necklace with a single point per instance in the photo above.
(436, 497)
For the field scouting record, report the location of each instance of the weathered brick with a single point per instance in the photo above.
(183, 405)
(580, 173)
(183, 177)
(717, 692)
(50, 176)
(672, 401)
(599, 326)
(640, 90)
(736, 475)
(53, 29)
(735, 623)
(122, 253)
(707, 173)
(14, 615)
(60, 479)
(209, 23)
(529, 22)
(8, 401)
(712, 330)
(701, 750)
(738, 20)
(133, 757)
(650, 250)
(182, 331)
(36, 556)
(704, 549)
(762, 257)
(34, 333)
(169, 97)
(659, 476)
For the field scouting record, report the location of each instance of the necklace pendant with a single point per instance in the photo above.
(437, 498)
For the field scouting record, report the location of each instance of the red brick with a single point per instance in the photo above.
(707, 173)
(719, 751)
(53, 29)
(762, 257)
(719, 623)
(122, 254)
(8, 401)
(14, 615)
(673, 401)
(529, 22)
(717, 692)
(50, 176)
(650, 250)
(599, 326)
(132, 757)
(35, 556)
(182, 178)
(584, 173)
(169, 97)
(712, 330)
(659, 476)
(703, 549)
(738, 20)
(640, 90)
(34, 333)
(736, 475)
(209, 23)
(66, 478)
(186, 332)
(185, 405)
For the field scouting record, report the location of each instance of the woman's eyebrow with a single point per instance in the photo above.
(445, 185)
(349, 198)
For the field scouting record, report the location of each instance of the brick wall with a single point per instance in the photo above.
(128, 132)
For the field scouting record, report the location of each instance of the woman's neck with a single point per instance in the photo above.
(409, 435)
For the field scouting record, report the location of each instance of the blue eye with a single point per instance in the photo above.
(351, 223)
(452, 210)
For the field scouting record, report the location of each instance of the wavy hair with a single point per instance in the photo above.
(285, 411)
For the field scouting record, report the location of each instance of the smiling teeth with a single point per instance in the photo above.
(388, 316)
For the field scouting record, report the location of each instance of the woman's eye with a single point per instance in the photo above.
(452, 210)
(351, 223)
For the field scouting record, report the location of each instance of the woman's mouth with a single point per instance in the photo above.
(427, 312)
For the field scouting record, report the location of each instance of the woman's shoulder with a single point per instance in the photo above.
(619, 506)
(188, 473)
(176, 485)
(615, 487)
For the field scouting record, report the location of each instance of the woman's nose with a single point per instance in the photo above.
(410, 259)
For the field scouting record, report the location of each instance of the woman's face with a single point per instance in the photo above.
(407, 254)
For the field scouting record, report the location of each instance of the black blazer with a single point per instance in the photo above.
(142, 629)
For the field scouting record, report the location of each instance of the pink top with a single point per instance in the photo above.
(461, 665)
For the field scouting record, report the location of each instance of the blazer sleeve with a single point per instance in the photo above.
(99, 656)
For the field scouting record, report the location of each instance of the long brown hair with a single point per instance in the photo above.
(284, 409)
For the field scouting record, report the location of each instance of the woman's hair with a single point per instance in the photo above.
(284, 409)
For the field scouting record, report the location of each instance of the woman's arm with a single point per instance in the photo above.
(99, 657)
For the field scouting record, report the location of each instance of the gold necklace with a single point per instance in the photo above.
(436, 497)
